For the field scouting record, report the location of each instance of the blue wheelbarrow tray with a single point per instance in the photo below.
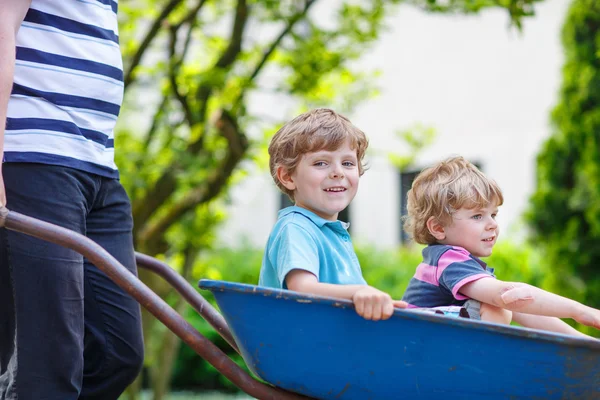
(321, 348)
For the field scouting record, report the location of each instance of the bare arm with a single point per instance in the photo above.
(546, 323)
(370, 303)
(12, 13)
(529, 299)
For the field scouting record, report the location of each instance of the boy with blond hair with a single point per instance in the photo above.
(317, 160)
(452, 208)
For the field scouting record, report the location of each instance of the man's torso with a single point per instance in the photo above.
(68, 86)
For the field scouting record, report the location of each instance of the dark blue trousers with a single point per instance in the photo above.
(66, 330)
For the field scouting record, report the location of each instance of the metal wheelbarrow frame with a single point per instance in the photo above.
(152, 302)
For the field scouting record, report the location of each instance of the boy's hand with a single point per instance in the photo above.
(588, 316)
(373, 304)
(517, 295)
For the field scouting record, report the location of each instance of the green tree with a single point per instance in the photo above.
(416, 139)
(565, 208)
(191, 69)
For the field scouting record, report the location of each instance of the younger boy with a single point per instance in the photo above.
(452, 208)
(316, 159)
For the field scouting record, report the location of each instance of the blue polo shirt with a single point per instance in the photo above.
(302, 240)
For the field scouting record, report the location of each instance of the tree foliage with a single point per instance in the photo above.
(206, 59)
(565, 209)
(192, 69)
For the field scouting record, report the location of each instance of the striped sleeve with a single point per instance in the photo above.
(456, 268)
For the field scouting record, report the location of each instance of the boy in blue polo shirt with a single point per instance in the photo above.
(316, 159)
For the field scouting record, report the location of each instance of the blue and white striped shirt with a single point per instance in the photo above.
(68, 86)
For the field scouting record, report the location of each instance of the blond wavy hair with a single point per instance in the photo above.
(315, 130)
(443, 189)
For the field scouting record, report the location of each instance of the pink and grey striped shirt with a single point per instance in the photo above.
(442, 273)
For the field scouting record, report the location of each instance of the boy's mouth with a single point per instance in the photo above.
(335, 189)
(489, 239)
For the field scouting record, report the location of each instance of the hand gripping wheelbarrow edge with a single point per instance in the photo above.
(152, 302)
(318, 346)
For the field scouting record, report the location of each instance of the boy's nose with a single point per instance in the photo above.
(492, 224)
(336, 172)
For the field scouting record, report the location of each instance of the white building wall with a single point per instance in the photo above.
(487, 90)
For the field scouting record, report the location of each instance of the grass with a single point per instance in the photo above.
(146, 395)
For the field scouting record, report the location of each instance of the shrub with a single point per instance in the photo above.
(565, 211)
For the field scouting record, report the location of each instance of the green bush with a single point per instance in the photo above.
(388, 270)
(518, 263)
(565, 209)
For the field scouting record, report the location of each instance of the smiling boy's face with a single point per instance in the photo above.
(324, 182)
(476, 230)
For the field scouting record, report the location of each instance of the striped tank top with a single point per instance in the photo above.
(68, 86)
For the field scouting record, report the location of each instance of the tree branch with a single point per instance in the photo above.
(137, 57)
(227, 58)
(166, 184)
(143, 208)
(190, 18)
(178, 59)
(174, 68)
(156, 120)
(152, 235)
(235, 42)
(271, 49)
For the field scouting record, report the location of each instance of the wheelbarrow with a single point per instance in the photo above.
(306, 346)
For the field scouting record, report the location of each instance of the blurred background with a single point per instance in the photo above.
(512, 85)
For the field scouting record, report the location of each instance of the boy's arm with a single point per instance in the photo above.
(546, 323)
(12, 13)
(370, 303)
(529, 299)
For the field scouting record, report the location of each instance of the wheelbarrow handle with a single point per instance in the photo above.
(191, 295)
(147, 298)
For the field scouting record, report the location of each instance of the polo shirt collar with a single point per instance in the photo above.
(319, 221)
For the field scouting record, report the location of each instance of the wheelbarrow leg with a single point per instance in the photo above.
(190, 294)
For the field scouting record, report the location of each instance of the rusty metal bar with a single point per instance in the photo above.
(147, 298)
(191, 295)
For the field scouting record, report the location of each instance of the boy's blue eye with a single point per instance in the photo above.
(319, 163)
(348, 164)
(478, 216)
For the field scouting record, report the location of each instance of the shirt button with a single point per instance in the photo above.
(346, 238)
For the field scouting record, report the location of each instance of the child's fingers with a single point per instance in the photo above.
(399, 304)
(373, 304)
(596, 318)
(591, 319)
(368, 310)
(359, 306)
(377, 311)
(388, 310)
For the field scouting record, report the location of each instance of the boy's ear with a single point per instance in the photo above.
(436, 228)
(285, 178)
